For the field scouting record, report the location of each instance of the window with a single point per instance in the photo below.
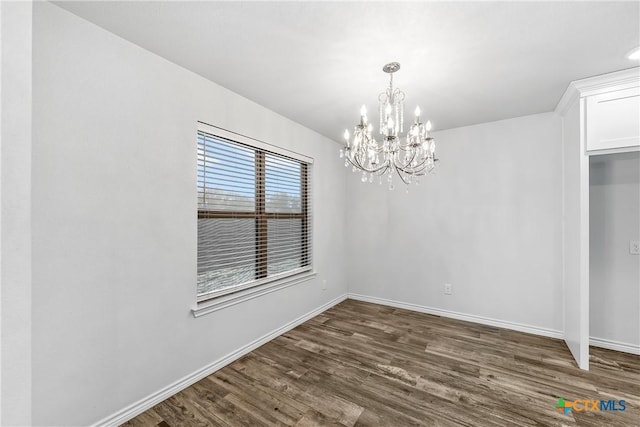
(253, 215)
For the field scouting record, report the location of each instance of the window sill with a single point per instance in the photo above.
(225, 301)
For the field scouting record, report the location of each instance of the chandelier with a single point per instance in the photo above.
(409, 157)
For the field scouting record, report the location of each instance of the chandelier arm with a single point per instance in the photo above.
(359, 165)
(378, 149)
(381, 170)
(384, 170)
(402, 177)
(407, 168)
(421, 165)
(351, 162)
(418, 169)
(404, 166)
(406, 147)
(414, 171)
(356, 162)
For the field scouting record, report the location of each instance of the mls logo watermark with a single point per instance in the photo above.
(587, 405)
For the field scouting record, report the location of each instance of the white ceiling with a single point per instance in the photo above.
(317, 62)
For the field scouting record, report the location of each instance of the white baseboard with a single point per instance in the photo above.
(461, 316)
(153, 399)
(615, 345)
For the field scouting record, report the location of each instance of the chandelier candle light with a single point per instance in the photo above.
(410, 159)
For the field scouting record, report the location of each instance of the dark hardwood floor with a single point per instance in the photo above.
(363, 364)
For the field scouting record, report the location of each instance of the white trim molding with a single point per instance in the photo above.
(215, 304)
(153, 399)
(615, 345)
(598, 84)
(461, 316)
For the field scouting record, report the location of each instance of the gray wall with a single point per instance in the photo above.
(114, 222)
(15, 213)
(614, 198)
(488, 221)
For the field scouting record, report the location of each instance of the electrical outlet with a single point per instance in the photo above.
(448, 288)
(324, 284)
(634, 247)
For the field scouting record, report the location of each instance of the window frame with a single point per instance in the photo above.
(261, 216)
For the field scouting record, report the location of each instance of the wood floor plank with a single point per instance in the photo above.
(147, 419)
(263, 399)
(361, 364)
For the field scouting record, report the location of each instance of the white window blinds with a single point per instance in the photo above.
(254, 216)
